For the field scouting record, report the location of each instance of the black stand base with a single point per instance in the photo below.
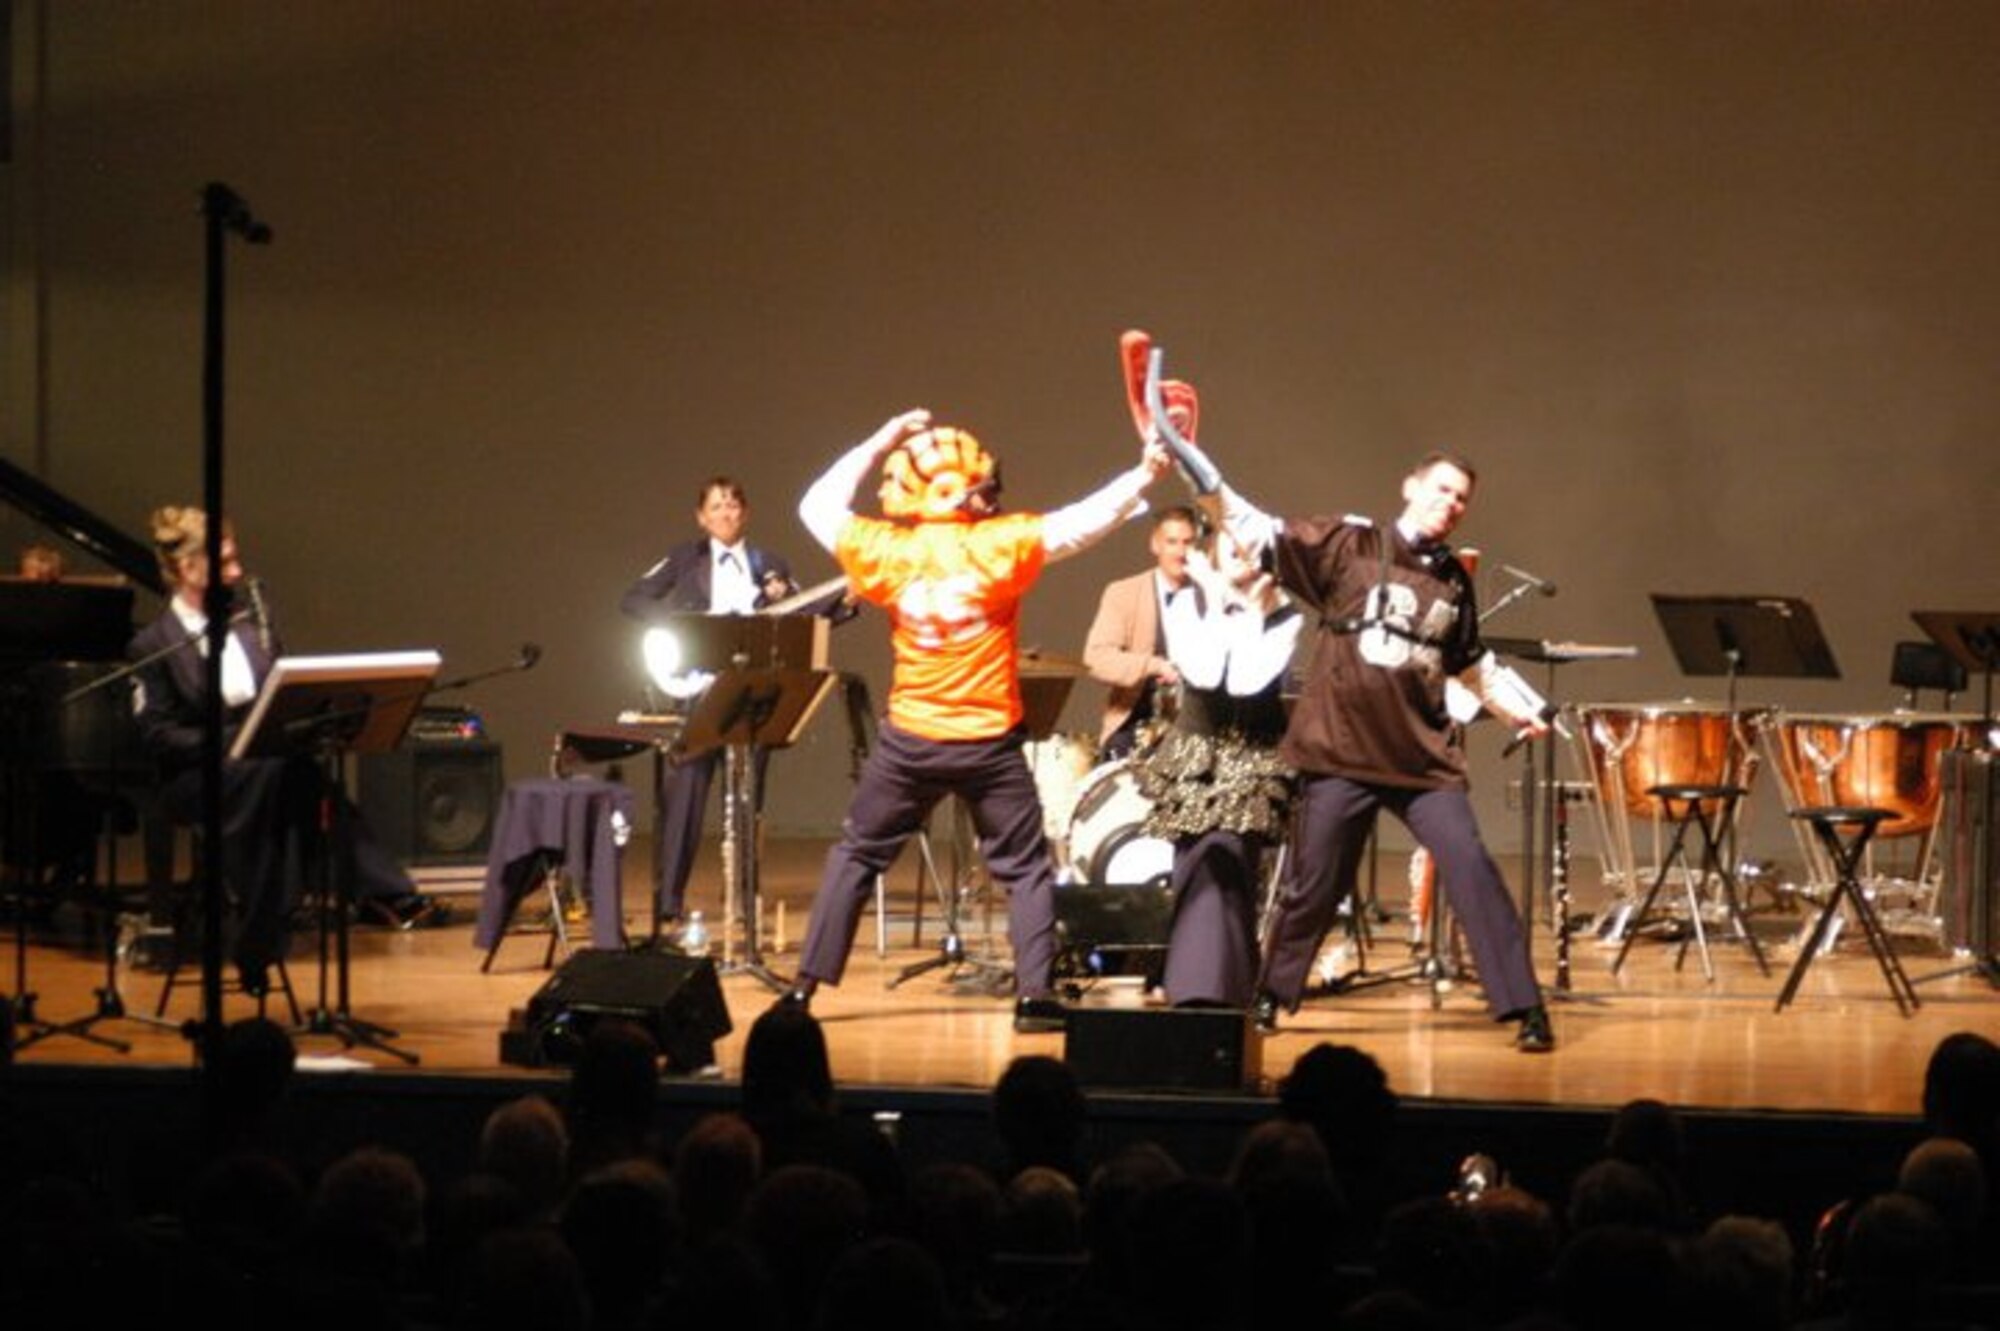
(352, 1032)
(961, 971)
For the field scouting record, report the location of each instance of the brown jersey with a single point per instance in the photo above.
(1394, 622)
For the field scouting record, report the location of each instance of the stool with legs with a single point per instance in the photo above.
(1707, 810)
(1844, 832)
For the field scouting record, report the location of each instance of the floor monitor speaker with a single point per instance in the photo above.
(1164, 1049)
(676, 998)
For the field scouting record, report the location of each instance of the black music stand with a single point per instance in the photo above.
(325, 708)
(1765, 637)
(1772, 637)
(1972, 639)
(748, 711)
(1045, 685)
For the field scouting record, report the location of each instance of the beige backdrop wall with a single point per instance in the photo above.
(1710, 290)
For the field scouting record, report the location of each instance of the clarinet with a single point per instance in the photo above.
(1559, 887)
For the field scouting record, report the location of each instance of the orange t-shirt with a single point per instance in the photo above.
(953, 592)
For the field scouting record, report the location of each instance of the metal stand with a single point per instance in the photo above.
(966, 881)
(740, 862)
(336, 910)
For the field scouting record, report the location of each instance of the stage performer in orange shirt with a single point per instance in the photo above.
(950, 570)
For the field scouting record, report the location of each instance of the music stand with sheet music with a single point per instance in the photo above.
(325, 708)
(746, 712)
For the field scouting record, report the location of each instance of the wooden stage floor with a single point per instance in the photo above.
(1651, 1031)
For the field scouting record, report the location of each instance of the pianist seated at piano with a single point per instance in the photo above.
(718, 572)
(269, 804)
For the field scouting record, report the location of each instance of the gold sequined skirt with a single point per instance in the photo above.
(1221, 782)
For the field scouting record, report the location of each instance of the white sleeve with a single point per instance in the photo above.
(1076, 527)
(1261, 649)
(1503, 690)
(829, 501)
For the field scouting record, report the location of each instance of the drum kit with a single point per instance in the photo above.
(1095, 816)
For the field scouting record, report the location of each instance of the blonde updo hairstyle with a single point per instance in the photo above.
(178, 534)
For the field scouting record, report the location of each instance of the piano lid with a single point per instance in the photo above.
(78, 525)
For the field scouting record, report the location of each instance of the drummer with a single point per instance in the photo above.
(1127, 648)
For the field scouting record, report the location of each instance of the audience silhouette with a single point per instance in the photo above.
(792, 1216)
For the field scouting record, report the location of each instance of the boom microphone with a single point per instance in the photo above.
(1542, 585)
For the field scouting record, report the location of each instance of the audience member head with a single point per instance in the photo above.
(255, 1059)
(1740, 1275)
(1962, 1089)
(786, 1071)
(1043, 1215)
(526, 1142)
(1190, 1256)
(1614, 1277)
(801, 1219)
(717, 1163)
(1298, 1214)
(1615, 1192)
(1040, 1114)
(1115, 1187)
(464, 1213)
(885, 1283)
(525, 1279)
(1342, 1093)
(955, 1215)
(366, 1215)
(1520, 1233)
(613, 1095)
(624, 1227)
(1895, 1257)
(1432, 1248)
(1946, 1173)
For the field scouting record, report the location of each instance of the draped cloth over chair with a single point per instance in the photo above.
(580, 819)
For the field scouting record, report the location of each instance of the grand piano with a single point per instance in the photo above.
(69, 754)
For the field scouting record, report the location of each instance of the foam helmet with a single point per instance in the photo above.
(930, 476)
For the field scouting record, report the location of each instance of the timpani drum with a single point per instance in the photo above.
(1887, 761)
(1107, 838)
(1882, 762)
(1623, 750)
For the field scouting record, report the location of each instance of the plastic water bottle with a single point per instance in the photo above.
(694, 937)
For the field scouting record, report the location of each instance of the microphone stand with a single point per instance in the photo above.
(224, 212)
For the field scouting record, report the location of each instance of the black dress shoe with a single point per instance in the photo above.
(254, 977)
(1264, 1012)
(1536, 1036)
(1037, 1015)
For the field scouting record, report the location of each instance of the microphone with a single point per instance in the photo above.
(1542, 585)
(531, 652)
(260, 612)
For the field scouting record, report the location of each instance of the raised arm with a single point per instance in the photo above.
(1078, 526)
(829, 501)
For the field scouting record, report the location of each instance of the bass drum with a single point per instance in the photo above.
(1107, 839)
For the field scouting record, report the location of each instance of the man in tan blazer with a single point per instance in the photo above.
(1125, 649)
